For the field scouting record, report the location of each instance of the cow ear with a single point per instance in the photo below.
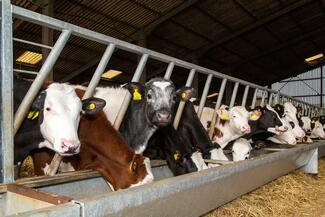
(38, 103)
(223, 112)
(92, 105)
(136, 89)
(186, 93)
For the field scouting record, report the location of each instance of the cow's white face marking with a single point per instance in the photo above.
(238, 119)
(198, 161)
(290, 112)
(161, 84)
(318, 131)
(149, 177)
(286, 137)
(306, 123)
(62, 109)
(241, 149)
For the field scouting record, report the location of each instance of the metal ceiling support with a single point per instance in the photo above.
(259, 23)
(34, 7)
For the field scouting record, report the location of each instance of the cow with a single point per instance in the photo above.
(317, 130)
(151, 108)
(241, 149)
(232, 124)
(291, 114)
(103, 149)
(265, 122)
(287, 137)
(52, 121)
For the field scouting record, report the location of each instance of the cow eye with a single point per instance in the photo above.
(149, 96)
(48, 109)
(234, 116)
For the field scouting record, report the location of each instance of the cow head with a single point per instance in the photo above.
(289, 137)
(241, 149)
(58, 109)
(306, 123)
(317, 130)
(159, 96)
(291, 114)
(269, 120)
(237, 117)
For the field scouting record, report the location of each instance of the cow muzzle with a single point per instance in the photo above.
(69, 147)
(245, 129)
(281, 129)
(162, 118)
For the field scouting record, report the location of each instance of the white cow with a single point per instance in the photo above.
(241, 149)
(290, 114)
(287, 137)
(233, 125)
(317, 130)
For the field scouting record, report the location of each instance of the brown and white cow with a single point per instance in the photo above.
(103, 149)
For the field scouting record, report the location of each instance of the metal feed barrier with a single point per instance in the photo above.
(88, 193)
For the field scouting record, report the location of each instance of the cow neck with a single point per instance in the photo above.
(136, 128)
(227, 134)
(110, 155)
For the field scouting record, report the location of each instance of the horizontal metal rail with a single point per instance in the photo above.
(40, 19)
(32, 43)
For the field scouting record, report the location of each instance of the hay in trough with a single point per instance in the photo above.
(295, 194)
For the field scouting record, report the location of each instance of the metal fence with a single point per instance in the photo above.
(10, 124)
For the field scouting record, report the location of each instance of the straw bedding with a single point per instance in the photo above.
(295, 194)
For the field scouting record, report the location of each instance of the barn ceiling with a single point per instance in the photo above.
(262, 41)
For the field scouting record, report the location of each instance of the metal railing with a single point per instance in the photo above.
(8, 129)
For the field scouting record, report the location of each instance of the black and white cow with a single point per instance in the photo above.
(267, 124)
(53, 120)
(151, 108)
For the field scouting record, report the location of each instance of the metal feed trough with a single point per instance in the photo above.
(85, 193)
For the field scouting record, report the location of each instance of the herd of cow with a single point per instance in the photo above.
(81, 130)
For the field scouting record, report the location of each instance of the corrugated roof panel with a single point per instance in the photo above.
(261, 8)
(161, 6)
(285, 28)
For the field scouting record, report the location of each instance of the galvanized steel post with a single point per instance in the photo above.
(218, 104)
(39, 80)
(182, 103)
(169, 70)
(263, 98)
(254, 98)
(204, 95)
(270, 98)
(127, 98)
(99, 71)
(243, 102)
(6, 102)
(234, 94)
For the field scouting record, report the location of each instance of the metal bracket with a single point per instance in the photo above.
(312, 165)
(82, 207)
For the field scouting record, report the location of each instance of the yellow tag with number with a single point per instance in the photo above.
(183, 95)
(32, 115)
(253, 117)
(136, 95)
(92, 106)
(224, 116)
(177, 155)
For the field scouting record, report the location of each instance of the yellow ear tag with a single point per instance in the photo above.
(224, 116)
(183, 95)
(253, 117)
(92, 106)
(313, 121)
(32, 115)
(176, 155)
(136, 95)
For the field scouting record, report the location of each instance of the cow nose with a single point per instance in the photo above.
(69, 146)
(246, 129)
(294, 142)
(163, 116)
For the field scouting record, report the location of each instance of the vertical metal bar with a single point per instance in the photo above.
(244, 100)
(270, 98)
(39, 80)
(276, 99)
(234, 95)
(127, 99)
(254, 98)
(321, 86)
(218, 104)
(99, 71)
(169, 70)
(204, 95)
(6, 102)
(182, 103)
(263, 98)
(309, 111)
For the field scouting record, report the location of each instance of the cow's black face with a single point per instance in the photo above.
(159, 97)
(270, 121)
